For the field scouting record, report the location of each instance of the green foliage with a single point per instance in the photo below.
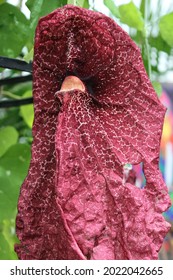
(35, 7)
(157, 87)
(8, 137)
(152, 33)
(79, 3)
(14, 165)
(131, 15)
(13, 169)
(7, 240)
(112, 7)
(27, 111)
(166, 28)
(13, 30)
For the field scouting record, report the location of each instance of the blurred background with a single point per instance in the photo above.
(150, 25)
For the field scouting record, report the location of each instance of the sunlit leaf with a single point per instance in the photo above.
(29, 56)
(71, 2)
(13, 30)
(5, 251)
(79, 3)
(8, 137)
(158, 88)
(166, 28)
(86, 4)
(27, 111)
(112, 7)
(131, 15)
(142, 7)
(8, 231)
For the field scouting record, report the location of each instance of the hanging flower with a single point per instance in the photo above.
(96, 115)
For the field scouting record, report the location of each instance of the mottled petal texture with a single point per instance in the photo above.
(76, 201)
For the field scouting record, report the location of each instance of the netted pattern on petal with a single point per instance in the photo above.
(75, 202)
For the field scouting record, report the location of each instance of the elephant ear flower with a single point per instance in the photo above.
(96, 115)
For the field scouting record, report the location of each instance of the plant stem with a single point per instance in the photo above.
(11, 95)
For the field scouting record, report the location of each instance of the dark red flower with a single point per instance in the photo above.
(79, 200)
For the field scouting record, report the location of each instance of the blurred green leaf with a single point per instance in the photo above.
(49, 6)
(29, 56)
(9, 117)
(35, 8)
(86, 4)
(71, 2)
(27, 111)
(80, 3)
(131, 16)
(142, 8)
(8, 137)
(19, 89)
(5, 251)
(13, 169)
(16, 161)
(8, 231)
(166, 28)
(13, 30)
(157, 87)
(112, 7)
(159, 44)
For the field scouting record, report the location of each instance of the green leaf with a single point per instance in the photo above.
(142, 8)
(112, 7)
(49, 6)
(71, 2)
(27, 111)
(35, 11)
(79, 3)
(8, 137)
(9, 117)
(166, 28)
(29, 56)
(5, 251)
(157, 87)
(86, 4)
(13, 30)
(131, 16)
(21, 88)
(8, 231)
(13, 169)
(159, 44)
(82, 3)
